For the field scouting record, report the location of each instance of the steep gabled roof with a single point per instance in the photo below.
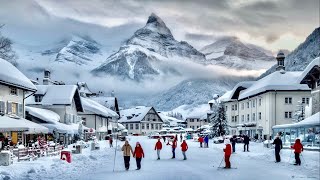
(135, 114)
(96, 108)
(11, 76)
(312, 71)
(57, 95)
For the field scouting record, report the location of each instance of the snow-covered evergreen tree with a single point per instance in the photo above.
(218, 120)
(299, 114)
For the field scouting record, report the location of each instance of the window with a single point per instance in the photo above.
(242, 118)
(248, 117)
(131, 126)
(288, 115)
(288, 100)
(148, 125)
(13, 91)
(254, 103)
(14, 108)
(235, 118)
(259, 115)
(38, 98)
(197, 127)
(235, 107)
(152, 126)
(232, 118)
(232, 107)
(226, 108)
(127, 126)
(253, 116)
(2, 107)
(305, 101)
(248, 105)
(137, 126)
(142, 126)
(260, 101)
(197, 120)
(242, 106)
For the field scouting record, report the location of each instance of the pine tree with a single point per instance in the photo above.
(218, 120)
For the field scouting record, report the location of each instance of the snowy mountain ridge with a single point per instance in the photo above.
(231, 52)
(299, 58)
(145, 53)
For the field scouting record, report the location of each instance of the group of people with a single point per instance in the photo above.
(297, 147)
(204, 140)
(138, 153)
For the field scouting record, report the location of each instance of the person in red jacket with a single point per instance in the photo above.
(138, 154)
(184, 148)
(174, 146)
(298, 148)
(158, 147)
(110, 141)
(227, 153)
(201, 141)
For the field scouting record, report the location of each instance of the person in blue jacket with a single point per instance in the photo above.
(206, 142)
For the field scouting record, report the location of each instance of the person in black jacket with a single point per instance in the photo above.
(277, 147)
(246, 140)
(233, 142)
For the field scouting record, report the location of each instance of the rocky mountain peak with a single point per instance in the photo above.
(156, 24)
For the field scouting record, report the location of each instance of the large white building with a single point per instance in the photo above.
(14, 88)
(254, 107)
(141, 120)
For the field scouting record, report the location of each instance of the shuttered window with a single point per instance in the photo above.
(2, 107)
(9, 107)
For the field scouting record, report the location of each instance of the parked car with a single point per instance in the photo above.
(218, 140)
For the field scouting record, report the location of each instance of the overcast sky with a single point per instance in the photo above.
(273, 24)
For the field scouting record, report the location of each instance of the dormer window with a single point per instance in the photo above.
(38, 98)
(13, 91)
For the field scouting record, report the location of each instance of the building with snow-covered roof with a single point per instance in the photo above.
(195, 122)
(254, 107)
(109, 102)
(14, 88)
(311, 77)
(141, 120)
(97, 116)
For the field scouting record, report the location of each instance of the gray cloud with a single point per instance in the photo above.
(263, 22)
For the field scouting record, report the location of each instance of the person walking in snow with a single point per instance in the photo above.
(227, 153)
(164, 138)
(184, 148)
(174, 146)
(110, 142)
(200, 139)
(206, 142)
(181, 137)
(233, 143)
(127, 150)
(138, 154)
(277, 147)
(158, 147)
(246, 140)
(298, 148)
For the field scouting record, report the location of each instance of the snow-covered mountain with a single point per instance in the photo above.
(147, 51)
(192, 92)
(79, 50)
(231, 52)
(299, 59)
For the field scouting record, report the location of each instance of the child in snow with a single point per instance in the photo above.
(206, 142)
(184, 148)
(298, 148)
(200, 140)
(227, 153)
(277, 147)
(127, 149)
(110, 142)
(138, 154)
(158, 147)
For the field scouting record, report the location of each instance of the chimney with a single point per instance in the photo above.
(280, 58)
(46, 78)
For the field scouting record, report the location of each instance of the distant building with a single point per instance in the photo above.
(254, 107)
(141, 120)
(195, 122)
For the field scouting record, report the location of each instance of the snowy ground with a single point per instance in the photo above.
(256, 164)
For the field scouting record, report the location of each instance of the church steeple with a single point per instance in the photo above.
(280, 58)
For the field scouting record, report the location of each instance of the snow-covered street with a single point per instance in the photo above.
(256, 164)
